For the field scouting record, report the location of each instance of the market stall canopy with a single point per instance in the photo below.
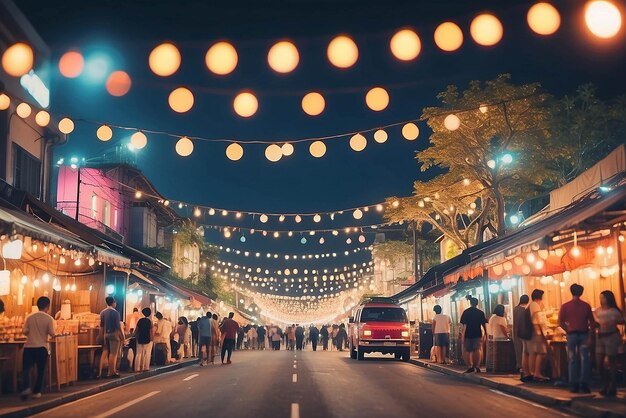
(203, 299)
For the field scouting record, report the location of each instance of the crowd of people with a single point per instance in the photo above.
(583, 327)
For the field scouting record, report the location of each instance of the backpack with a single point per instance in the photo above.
(524, 329)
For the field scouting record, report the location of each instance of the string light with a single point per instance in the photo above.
(543, 18)
(181, 100)
(273, 153)
(377, 99)
(405, 45)
(448, 36)
(71, 64)
(221, 58)
(23, 110)
(410, 131)
(245, 104)
(452, 122)
(138, 140)
(104, 133)
(342, 52)
(164, 60)
(42, 118)
(18, 59)
(486, 29)
(603, 18)
(283, 57)
(358, 142)
(184, 147)
(317, 149)
(380, 136)
(313, 103)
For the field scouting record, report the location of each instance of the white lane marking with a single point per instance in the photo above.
(126, 405)
(188, 378)
(294, 378)
(295, 410)
(519, 399)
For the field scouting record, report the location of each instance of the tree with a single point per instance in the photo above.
(395, 253)
(493, 157)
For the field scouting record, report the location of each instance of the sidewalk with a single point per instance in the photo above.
(12, 406)
(587, 405)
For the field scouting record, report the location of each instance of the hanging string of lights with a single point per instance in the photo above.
(287, 256)
(226, 266)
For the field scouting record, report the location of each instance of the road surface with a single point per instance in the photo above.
(274, 384)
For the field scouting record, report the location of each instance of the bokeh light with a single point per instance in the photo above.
(23, 110)
(283, 57)
(380, 136)
(184, 147)
(377, 99)
(317, 149)
(410, 131)
(66, 126)
(234, 152)
(448, 36)
(603, 18)
(18, 59)
(452, 122)
(118, 83)
(181, 100)
(104, 133)
(287, 149)
(486, 29)
(358, 142)
(42, 118)
(71, 64)
(273, 153)
(164, 60)
(245, 104)
(405, 45)
(313, 103)
(5, 101)
(342, 52)
(138, 140)
(221, 58)
(543, 18)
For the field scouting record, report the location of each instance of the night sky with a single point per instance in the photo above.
(126, 31)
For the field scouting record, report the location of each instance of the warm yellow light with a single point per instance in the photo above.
(486, 29)
(448, 36)
(5, 101)
(66, 126)
(181, 100)
(118, 83)
(377, 99)
(184, 147)
(23, 110)
(18, 59)
(245, 104)
(483, 108)
(221, 58)
(603, 18)
(452, 122)
(138, 194)
(197, 212)
(138, 140)
(358, 142)
(543, 18)
(410, 131)
(42, 118)
(405, 45)
(317, 218)
(380, 136)
(71, 64)
(273, 153)
(342, 52)
(104, 133)
(357, 214)
(234, 152)
(283, 57)
(317, 149)
(164, 60)
(287, 149)
(313, 103)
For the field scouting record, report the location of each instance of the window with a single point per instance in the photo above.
(115, 218)
(107, 213)
(26, 171)
(94, 206)
(383, 315)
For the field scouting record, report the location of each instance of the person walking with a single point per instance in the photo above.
(521, 358)
(275, 336)
(193, 326)
(261, 332)
(216, 337)
(441, 334)
(205, 336)
(299, 337)
(537, 345)
(184, 336)
(576, 318)
(291, 337)
(324, 334)
(229, 328)
(333, 334)
(608, 316)
(38, 326)
(162, 335)
(342, 337)
(472, 320)
(252, 338)
(144, 333)
(241, 333)
(498, 327)
(314, 335)
(110, 325)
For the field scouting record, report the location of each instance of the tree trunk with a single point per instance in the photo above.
(500, 208)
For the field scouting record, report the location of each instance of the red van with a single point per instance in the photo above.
(380, 325)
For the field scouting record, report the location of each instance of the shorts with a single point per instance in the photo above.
(205, 341)
(473, 344)
(536, 345)
(442, 339)
(608, 345)
(112, 342)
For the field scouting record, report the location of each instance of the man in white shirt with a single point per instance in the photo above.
(162, 335)
(37, 328)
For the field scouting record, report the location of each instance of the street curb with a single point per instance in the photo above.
(572, 405)
(71, 397)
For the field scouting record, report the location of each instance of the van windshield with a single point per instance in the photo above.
(383, 315)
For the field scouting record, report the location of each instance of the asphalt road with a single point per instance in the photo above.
(303, 384)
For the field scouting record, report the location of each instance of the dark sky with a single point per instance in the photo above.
(128, 29)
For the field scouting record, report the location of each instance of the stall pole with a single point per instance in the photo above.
(421, 295)
(78, 181)
(620, 264)
(487, 295)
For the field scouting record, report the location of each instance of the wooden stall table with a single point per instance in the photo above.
(500, 356)
(12, 350)
(90, 349)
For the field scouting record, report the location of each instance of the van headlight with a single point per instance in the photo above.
(405, 334)
(367, 333)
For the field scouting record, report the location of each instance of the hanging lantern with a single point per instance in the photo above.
(23, 110)
(377, 99)
(5, 101)
(486, 29)
(358, 142)
(42, 118)
(317, 218)
(273, 153)
(342, 52)
(543, 18)
(287, 149)
(138, 140)
(234, 152)
(181, 100)
(317, 149)
(66, 126)
(298, 219)
(18, 59)
(71, 64)
(448, 36)
(263, 218)
(283, 57)
(380, 136)
(184, 147)
(357, 214)
(164, 60)
(245, 104)
(410, 131)
(313, 103)
(405, 45)
(452, 122)
(221, 58)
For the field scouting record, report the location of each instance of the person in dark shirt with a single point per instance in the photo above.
(193, 325)
(144, 332)
(342, 337)
(299, 337)
(314, 336)
(230, 329)
(324, 334)
(472, 320)
(260, 331)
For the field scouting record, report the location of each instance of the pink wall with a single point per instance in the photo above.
(93, 183)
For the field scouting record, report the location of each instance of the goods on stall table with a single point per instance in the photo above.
(88, 320)
(11, 329)
(67, 326)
